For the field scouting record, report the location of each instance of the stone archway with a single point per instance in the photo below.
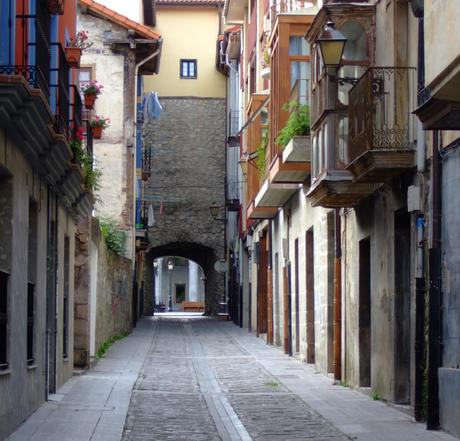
(198, 253)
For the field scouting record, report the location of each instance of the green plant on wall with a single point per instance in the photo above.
(91, 174)
(261, 161)
(115, 238)
(298, 123)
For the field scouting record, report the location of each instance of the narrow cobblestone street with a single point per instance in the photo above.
(197, 379)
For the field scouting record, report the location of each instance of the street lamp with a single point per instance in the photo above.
(214, 209)
(170, 268)
(331, 44)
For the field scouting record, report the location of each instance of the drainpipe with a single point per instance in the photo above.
(136, 74)
(419, 321)
(420, 285)
(435, 293)
(338, 299)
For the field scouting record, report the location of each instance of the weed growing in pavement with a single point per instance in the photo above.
(375, 396)
(100, 353)
(272, 383)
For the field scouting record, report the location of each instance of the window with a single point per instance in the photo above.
(32, 275)
(188, 69)
(3, 320)
(65, 318)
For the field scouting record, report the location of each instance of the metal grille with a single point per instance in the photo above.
(63, 92)
(3, 320)
(146, 163)
(380, 106)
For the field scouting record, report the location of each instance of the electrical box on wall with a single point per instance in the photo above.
(413, 198)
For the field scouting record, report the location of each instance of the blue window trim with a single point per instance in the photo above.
(7, 31)
(54, 74)
(32, 32)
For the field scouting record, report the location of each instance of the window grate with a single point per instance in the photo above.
(3, 320)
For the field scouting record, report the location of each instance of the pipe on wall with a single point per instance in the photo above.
(338, 299)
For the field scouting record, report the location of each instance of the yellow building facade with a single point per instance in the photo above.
(190, 33)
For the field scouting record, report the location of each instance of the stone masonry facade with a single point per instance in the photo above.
(188, 164)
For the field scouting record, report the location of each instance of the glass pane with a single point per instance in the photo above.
(356, 46)
(300, 70)
(298, 46)
(191, 68)
(184, 69)
(342, 153)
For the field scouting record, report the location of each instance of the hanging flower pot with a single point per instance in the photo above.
(98, 125)
(73, 56)
(91, 90)
(97, 132)
(89, 101)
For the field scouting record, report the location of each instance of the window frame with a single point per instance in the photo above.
(188, 61)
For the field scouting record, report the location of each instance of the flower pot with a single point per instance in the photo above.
(55, 6)
(73, 56)
(97, 132)
(265, 72)
(89, 101)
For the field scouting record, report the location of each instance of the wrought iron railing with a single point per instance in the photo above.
(76, 121)
(61, 89)
(146, 163)
(380, 110)
(34, 31)
(89, 139)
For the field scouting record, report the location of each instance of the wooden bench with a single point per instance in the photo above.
(189, 306)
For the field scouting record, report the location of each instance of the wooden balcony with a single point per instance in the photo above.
(381, 126)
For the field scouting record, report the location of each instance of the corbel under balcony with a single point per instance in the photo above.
(253, 212)
(25, 112)
(282, 171)
(274, 195)
(336, 189)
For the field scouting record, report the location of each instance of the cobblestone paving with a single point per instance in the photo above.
(199, 384)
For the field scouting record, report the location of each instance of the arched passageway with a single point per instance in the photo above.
(204, 257)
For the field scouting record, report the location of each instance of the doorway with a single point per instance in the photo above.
(310, 276)
(296, 294)
(364, 316)
(402, 306)
(262, 295)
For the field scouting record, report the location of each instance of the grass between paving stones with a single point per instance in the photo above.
(272, 383)
(100, 353)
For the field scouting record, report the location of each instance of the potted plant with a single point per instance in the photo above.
(55, 6)
(91, 90)
(298, 123)
(75, 47)
(98, 125)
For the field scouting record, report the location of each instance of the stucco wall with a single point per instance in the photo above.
(450, 375)
(441, 21)
(188, 33)
(112, 153)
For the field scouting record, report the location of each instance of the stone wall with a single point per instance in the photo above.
(113, 278)
(188, 164)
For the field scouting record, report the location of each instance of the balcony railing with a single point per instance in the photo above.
(62, 91)
(380, 107)
(286, 6)
(35, 71)
(76, 121)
